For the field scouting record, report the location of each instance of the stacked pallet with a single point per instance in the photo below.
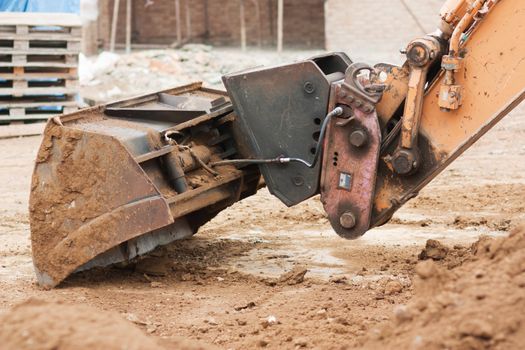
(38, 65)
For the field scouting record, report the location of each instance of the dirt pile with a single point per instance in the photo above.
(37, 324)
(472, 305)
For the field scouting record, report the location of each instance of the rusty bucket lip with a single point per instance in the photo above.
(134, 227)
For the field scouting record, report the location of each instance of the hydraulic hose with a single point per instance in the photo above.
(282, 160)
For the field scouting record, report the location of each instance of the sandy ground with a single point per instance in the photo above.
(240, 282)
(226, 286)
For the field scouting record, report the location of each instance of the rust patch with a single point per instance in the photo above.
(73, 185)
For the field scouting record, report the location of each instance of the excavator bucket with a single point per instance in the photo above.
(113, 182)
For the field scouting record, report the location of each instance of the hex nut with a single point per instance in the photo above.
(348, 220)
(358, 138)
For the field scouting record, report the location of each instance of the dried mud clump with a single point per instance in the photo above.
(450, 257)
(434, 250)
(37, 324)
(476, 305)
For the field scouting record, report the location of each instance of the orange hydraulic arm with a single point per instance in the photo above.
(390, 130)
(480, 82)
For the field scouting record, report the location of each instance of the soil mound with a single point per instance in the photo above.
(37, 324)
(475, 305)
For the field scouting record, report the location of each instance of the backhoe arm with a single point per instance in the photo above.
(486, 85)
(400, 126)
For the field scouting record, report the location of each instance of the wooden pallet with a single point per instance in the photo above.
(24, 73)
(40, 25)
(29, 115)
(39, 47)
(38, 65)
(39, 39)
(35, 108)
(38, 87)
(38, 60)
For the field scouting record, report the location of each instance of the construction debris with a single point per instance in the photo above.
(111, 76)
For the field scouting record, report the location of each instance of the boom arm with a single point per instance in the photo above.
(489, 86)
(401, 126)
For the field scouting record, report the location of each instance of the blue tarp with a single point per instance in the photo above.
(71, 6)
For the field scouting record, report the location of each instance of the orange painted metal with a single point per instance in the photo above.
(450, 94)
(396, 89)
(493, 76)
(451, 13)
(413, 105)
(492, 81)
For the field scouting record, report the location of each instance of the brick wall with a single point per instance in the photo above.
(375, 30)
(220, 24)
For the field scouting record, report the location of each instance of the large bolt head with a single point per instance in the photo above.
(418, 54)
(348, 220)
(358, 138)
(309, 87)
(404, 162)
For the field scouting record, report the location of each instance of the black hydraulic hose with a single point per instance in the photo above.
(335, 113)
